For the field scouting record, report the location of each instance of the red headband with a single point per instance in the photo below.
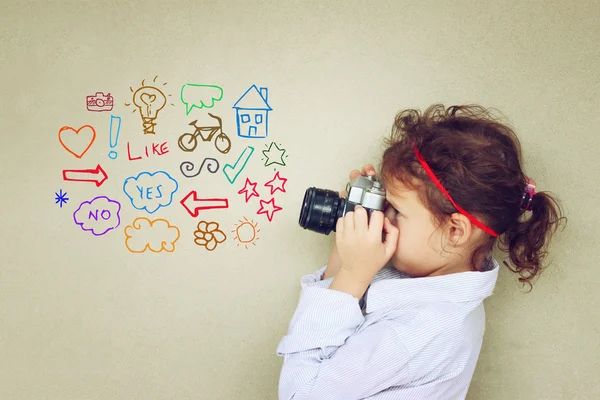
(439, 185)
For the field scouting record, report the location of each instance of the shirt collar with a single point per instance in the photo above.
(396, 288)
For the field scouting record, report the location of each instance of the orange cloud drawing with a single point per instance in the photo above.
(156, 235)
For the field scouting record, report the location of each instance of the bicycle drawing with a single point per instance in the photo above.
(189, 141)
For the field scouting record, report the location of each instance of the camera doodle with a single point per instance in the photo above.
(99, 102)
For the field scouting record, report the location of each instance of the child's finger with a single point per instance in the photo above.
(376, 223)
(349, 221)
(391, 237)
(354, 173)
(361, 223)
(368, 169)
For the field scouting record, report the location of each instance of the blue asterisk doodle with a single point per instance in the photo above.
(61, 198)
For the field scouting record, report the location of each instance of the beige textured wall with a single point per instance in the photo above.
(83, 318)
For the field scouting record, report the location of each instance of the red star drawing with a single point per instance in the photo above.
(246, 189)
(272, 209)
(280, 185)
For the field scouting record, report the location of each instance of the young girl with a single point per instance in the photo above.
(413, 329)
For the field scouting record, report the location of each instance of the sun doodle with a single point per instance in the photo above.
(246, 232)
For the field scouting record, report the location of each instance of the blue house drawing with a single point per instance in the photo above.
(252, 113)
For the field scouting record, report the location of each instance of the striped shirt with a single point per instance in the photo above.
(407, 338)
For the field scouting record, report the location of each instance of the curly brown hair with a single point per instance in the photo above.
(477, 158)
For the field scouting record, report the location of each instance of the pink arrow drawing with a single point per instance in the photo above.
(193, 204)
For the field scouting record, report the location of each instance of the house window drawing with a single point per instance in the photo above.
(252, 113)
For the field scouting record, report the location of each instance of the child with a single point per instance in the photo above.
(414, 329)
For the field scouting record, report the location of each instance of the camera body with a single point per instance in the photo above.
(321, 208)
(99, 102)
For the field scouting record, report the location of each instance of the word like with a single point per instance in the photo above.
(159, 149)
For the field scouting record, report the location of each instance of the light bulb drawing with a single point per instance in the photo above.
(149, 100)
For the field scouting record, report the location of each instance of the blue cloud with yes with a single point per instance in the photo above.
(150, 191)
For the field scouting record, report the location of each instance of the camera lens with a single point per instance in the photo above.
(321, 209)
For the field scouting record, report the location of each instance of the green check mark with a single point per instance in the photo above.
(233, 171)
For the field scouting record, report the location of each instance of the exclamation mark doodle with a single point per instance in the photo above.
(114, 135)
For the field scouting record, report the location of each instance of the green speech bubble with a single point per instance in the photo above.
(200, 96)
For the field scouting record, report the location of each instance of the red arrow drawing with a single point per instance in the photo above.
(97, 175)
(193, 205)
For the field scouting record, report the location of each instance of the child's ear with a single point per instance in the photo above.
(459, 231)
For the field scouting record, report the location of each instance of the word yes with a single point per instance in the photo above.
(147, 191)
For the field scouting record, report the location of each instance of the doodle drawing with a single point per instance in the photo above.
(200, 96)
(99, 102)
(193, 205)
(96, 175)
(208, 235)
(189, 141)
(233, 171)
(98, 215)
(61, 198)
(269, 208)
(246, 232)
(277, 183)
(114, 135)
(156, 235)
(187, 167)
(77, 141)
(252, 113)
(249, 190)
(274, 156)
(149, 100)
(159, 149)
(150, 191)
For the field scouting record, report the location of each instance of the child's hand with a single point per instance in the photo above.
(361, 251)
(334, 263)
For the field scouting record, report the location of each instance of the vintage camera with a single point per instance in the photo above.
(321, 208)
(99, 102)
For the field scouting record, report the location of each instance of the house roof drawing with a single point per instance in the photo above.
(253, 100)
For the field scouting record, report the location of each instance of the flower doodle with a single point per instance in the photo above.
(209, 235)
